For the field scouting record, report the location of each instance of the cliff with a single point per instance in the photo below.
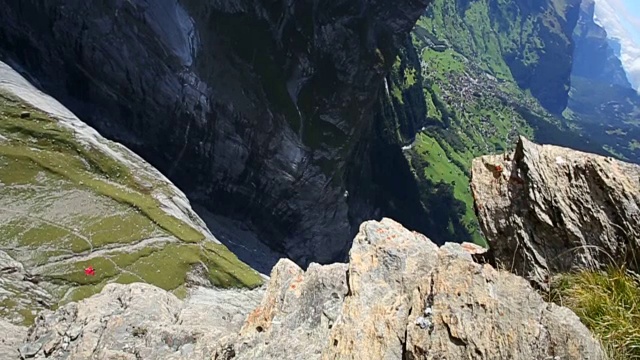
(254, 107)
(399, 297)
(602, 102)
(532, 38)
(303, 119)
(594, 57)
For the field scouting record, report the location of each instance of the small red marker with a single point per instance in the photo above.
(89, 271)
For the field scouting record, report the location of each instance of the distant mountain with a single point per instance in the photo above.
(596, 56)
(477, 73)
(602, 102)
(473, 76)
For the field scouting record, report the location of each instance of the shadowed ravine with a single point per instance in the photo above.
(200, 91)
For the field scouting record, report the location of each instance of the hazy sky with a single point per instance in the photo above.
(621, 19)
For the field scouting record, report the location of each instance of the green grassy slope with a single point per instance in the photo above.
(66, 205)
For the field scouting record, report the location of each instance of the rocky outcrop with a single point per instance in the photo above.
(254, 106)
(400, 297)
(547, 209)
(139, 321)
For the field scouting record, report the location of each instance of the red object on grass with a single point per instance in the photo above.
(89, 271)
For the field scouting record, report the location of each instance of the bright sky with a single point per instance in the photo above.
(621, 19)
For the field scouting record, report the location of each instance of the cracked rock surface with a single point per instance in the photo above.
(139, 321)
(553, 209)
(400, 297)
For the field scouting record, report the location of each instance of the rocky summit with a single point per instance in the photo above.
(547, 210)
(399, 297)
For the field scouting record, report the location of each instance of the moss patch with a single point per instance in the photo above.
(222, 265)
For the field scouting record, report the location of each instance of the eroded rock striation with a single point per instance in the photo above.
(400, 297)
(547, 209)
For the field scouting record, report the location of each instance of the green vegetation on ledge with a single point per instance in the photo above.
(609, 304)
(67, 205)
(473, 76)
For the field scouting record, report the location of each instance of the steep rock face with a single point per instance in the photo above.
(253, 106)
(400, 297)
(547, 210)
(545, 70)
(602, 101)
(594, 58)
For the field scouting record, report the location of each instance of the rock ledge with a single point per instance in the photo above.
(400, 297)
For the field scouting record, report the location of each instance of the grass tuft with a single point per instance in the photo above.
(608, 303)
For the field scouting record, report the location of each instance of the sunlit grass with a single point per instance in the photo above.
(608, 303)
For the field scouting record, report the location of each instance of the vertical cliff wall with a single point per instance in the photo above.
(254, 108)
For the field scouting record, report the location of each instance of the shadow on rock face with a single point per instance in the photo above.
(243, 242)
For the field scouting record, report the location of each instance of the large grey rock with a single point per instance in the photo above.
(387, 262)
(294, 319)
(407, 299)
(553, 209)
(400, 297)
(11, 338)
